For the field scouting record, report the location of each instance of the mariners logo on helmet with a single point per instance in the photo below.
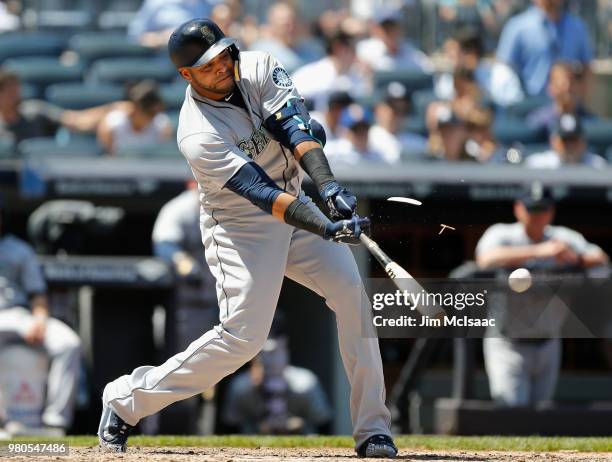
(208, 35)
(280, 78)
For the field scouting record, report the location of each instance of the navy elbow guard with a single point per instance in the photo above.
(252, 182)
(292, 125)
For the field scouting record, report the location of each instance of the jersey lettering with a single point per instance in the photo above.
(255, 145)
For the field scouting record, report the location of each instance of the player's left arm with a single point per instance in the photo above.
(293, 127)
(288, 121)
(595, 258)
(589, 254)
(252, 183)
(592, 255)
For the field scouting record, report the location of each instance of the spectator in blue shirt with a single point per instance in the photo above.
(533, 40)
(156, 19)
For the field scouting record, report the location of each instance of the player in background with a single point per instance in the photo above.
(24, 319)
(523, 354)
(245, 133)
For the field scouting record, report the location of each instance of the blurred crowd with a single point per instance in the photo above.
(497, 82)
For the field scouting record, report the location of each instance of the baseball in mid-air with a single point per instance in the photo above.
(520, 280)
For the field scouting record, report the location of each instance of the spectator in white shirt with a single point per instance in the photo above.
(388, 134)
(339, 70)
(354, 147)
(568, 145)
(388, 50)
(9, 19)
(142, 122)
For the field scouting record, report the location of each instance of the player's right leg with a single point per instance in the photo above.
(247, 257)
(330, 270)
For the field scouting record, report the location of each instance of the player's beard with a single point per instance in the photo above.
(221, 89)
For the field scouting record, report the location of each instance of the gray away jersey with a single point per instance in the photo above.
(20, 273)
(217, 138)
(535, 317)
(513, 234)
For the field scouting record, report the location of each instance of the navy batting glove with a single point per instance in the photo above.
(341, 202)
(347, 231)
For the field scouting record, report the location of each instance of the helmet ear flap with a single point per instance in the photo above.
(234, 52)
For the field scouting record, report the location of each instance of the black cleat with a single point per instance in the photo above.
(113, 432)
(379, 446)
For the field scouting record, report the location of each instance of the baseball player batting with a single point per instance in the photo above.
(245, 133)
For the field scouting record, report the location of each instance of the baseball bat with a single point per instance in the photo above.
(400, 277)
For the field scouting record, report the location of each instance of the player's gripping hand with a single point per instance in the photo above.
(341, 202)
(347, 231)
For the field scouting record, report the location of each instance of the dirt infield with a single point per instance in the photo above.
(141, 454)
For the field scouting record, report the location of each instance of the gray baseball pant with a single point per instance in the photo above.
(249, 256)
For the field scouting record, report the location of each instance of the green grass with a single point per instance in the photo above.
(474, 443)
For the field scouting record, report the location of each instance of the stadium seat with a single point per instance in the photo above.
(91, 46)
(25, 44)
(533, 148)
(525, 107)
(167, 150)
(43, 71)
(81, 96)
(8, 149)
(420, 100)
(415, 125)
(49, 147)
(173, 94)
(367, 101)
(61, 16)
(413, 80)
(416, 157)
(117, 14)
(599, 135)
(123, 70)
(64, 137)
(28, 91)
(510, 131)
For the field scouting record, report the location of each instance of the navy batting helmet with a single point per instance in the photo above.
(198, 41)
